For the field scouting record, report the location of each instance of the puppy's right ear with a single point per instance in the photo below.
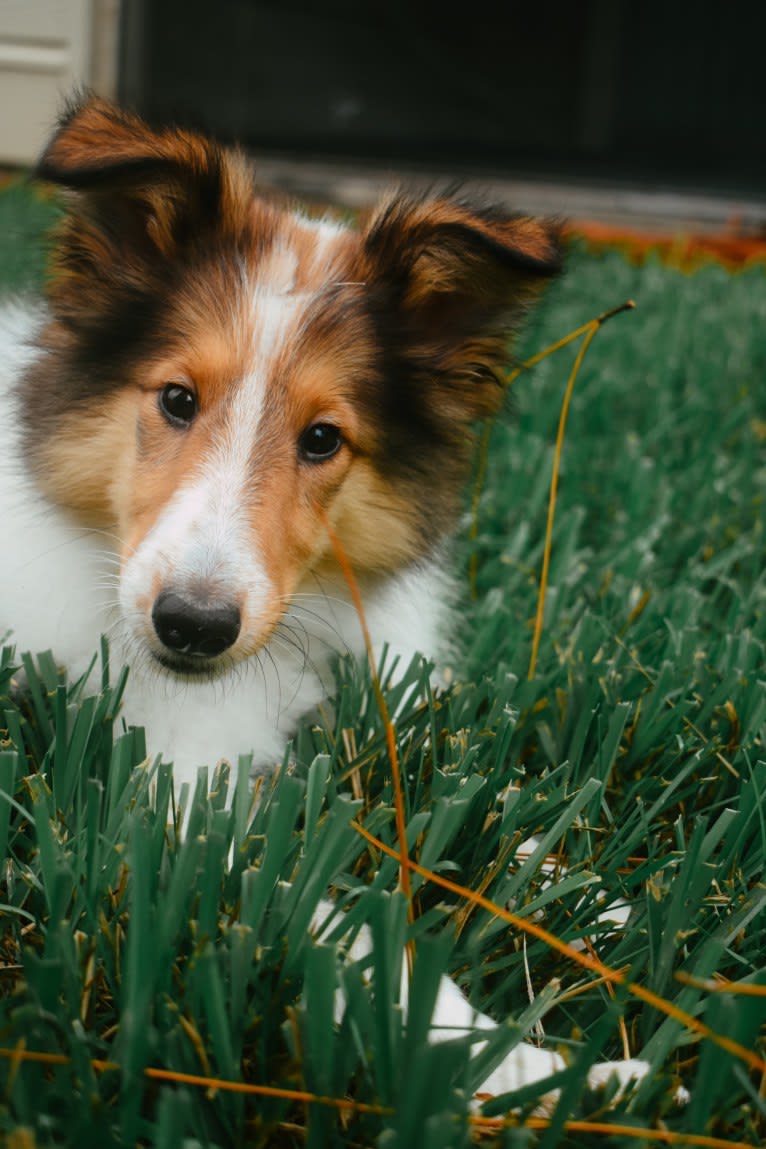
(139, 194)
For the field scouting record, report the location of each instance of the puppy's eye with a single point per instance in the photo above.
(320, 442)
(178, 404)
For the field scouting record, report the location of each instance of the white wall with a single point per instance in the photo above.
(47, 48)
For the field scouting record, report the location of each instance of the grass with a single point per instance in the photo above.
(635, 754)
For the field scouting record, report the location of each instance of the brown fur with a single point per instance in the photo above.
(399, 340)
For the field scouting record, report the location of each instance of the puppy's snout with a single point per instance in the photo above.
(195, 627)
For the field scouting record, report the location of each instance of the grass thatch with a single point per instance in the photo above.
(636, 755)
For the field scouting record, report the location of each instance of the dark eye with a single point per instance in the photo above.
(178, 404)
(320, 442)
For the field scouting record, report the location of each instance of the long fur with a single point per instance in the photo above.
(172, 270)
(209, 376)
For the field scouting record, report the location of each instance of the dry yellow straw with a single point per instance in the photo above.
(393, 756)
(589, 330)
(594, 964)
(344, 1104)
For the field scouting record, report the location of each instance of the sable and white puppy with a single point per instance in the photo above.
(211, 375)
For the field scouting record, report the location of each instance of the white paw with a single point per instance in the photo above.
(523, 1066)
(625, 1071)
(527, 1064)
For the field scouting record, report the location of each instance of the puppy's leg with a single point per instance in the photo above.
(454, 1017)
(525, 1064)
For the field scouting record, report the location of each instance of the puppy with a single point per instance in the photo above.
(213, 378)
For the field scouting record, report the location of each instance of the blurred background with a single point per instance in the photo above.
(647, 116)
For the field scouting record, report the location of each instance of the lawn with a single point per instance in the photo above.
(636, 755)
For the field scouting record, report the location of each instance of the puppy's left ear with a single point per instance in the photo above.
(459, 278)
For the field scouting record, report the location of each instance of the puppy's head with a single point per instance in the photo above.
(218, 373)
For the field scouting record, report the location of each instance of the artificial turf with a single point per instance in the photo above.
(635, 755)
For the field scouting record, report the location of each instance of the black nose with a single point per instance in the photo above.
(190, 626)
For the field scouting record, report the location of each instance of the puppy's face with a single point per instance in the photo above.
(256, 417)
(220, 374)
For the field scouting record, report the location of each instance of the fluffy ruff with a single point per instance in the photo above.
(213, 377)
(210, 379)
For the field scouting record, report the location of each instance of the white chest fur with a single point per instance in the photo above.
(59, 591)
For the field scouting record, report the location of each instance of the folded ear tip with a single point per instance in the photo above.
(459, 228)
(97, 146)
(530, 244)
(84, 108)
(83, 119)
(75, 102)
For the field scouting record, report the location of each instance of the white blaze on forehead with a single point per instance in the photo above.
(324, 244)
(203, 536)
(271, 319)
(277, 270)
